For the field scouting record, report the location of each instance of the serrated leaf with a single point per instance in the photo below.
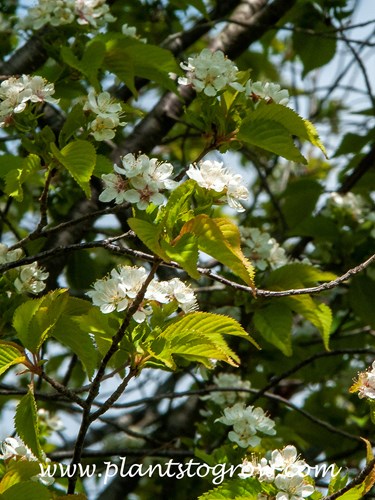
(178, 205)
(127, 58)
(79, 158)
(149, 234)
(28, 489)
(198, 336)
(18, 471)
(67, 331)
(74, 121)
(35, 319)
(324, 314)
(271, 136)
(184, 252)
(355, 493)
(26, 423)
(297, 275)
(10, 354)
(8, 163)
(235, 489)
(284, 116)
(218, 238)
(16, 177)
(274, 322)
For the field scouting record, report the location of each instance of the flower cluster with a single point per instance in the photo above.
(365, 384)
(16, 93)
(30, 278)
(59, 12)
(227, 398)
(270, 92)
(212, 175)
(262, 249)
(246, 422)
(48, 422)
(144, 180)
(108, 114)
(285, 470)
(14, 449)
(345, 205)
(131, 31)
(119, 289)
(210, 72)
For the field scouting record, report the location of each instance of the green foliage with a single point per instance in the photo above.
(10, 354)
(27, 489)
(79, 159)
(274, 322)
(20, 172)
(272, 126)
(198, 337)
(236, 489)
(128, 58)
(26, 423)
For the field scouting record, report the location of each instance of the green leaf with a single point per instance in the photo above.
(18, 471)
(178, 206)
(297, 275)
(35, 319)
(274, 323)
(8, 163)
(74, 121)
(149, 234)
(26, 423)
(361, 296)
(127, 58)
(16, 177)
(90, 63)
(299, 200)
(235, 489)
(271, 136)
(103, 166)
(305, 46)
(10, 354)
(66, 330)
(220, 239)
(79, 158)
(198, 336)
(27, 489)
(288, 119)
(184, 252)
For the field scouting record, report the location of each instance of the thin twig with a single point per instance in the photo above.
(360, 478)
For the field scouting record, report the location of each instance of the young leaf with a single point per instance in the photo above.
(10, 354)
(27, 489)
(274, 323)
(79, 158)
(237, 488)
(16, 177)
(18, 471)
(220, 239)
(198, 336)
(26, 423)
(149, 234)
(184, 252)
(277, 114)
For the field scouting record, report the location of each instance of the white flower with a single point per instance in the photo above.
(52, 422)
(210, 72)
(292, 488)
(60, 12)
(30, 279)
(266, 473)
(247, 421)
(146, 178)
(286, 461)
(102, 104)
(12, 448)
(228, 398)
(270, 92)
(117, 291)
(346, 204)
(15, 93)
(131, 31)
(174, 289)
(114, 188)
(108, 295)
(9, 255)
(261, 249)
(103, 128)
(212, 175)
(366, 383)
